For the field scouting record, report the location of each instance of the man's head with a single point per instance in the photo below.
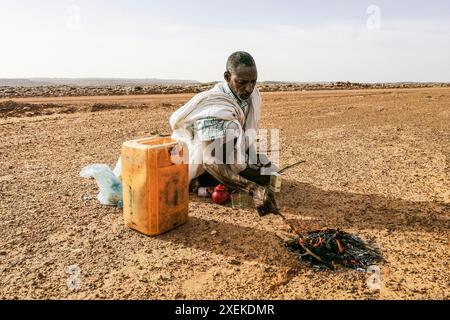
(241, 74)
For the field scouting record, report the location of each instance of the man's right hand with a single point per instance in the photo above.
(264, 201)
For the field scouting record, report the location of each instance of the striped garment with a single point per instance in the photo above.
(209, 129)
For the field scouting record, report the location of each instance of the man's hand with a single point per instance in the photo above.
(264, 201)
(262, 198)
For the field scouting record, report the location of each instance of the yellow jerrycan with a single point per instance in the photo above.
(155, 189)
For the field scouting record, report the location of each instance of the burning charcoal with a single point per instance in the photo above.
(331, 247)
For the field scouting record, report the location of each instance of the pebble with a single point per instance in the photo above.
(165, 277)
(235, 262)
(179, 295)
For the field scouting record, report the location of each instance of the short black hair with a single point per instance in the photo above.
(240, 58)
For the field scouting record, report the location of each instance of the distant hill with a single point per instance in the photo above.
(89, 82)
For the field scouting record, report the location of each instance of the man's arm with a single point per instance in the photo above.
(262, 197)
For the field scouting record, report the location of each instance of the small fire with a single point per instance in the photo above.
(330, 247)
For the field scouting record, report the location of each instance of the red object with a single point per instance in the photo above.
(221, 194)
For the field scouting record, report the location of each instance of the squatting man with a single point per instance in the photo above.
(219, 129)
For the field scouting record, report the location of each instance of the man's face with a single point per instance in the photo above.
(242, 81)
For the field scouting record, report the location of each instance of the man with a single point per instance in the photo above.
(219, 128)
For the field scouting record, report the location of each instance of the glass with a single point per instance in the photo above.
(241, 200)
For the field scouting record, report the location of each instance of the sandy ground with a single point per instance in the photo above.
(377, 165)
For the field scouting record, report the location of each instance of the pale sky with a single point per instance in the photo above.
(291, 40)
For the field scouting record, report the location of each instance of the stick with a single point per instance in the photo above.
(308, 252)
(289, 224)
(290, 166)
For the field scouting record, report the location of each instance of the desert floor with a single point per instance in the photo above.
(377, 164)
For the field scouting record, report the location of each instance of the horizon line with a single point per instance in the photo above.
(212, 81)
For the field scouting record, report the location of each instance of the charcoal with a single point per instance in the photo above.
(333, 247)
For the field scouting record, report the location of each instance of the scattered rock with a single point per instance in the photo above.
(235, 262)
(165, 277)
(179, 295)
(66, 91)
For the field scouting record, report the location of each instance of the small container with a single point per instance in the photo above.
(241, 200)
(221, 195)
(205, 192)
(275, 182)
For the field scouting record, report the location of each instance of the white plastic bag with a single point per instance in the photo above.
(118, 169)
(110, 186)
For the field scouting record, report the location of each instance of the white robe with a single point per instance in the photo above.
(214, 103)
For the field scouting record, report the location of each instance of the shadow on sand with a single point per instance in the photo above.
(322, 208)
